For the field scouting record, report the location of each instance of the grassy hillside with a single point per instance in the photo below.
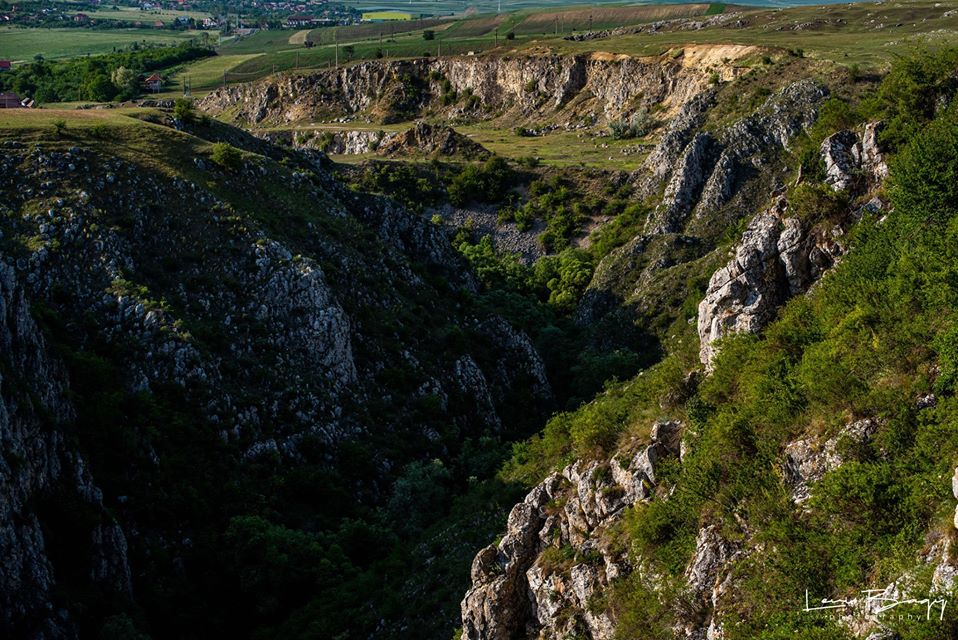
(21, 45)
(879, 333)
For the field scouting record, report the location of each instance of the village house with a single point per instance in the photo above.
(81, 17)
(299, 21)
(154, 83)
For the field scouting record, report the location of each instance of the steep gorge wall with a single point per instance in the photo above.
(599, 86)
(39, 466)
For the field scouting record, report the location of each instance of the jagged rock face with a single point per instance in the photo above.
(273, 327)
(702, 172)
(781, 256)
(707, 580)
(517, 589)
(36, 464)
(661, 162)
(422, 139)
(854, 160)
(524, 85)
(743, 295)
(685, 186)
(842, 156)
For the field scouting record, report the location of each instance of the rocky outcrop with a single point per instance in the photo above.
(707, 579)
(743, 295)
(425, 139)
(541, 578)
(854, 160)
(780, 256)
(37, 466)
(809, 459)
(702, 171)
(524, 86)
(685, 186)
(661, 162)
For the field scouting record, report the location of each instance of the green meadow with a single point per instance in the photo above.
(20, 45)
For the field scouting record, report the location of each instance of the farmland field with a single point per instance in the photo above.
(387, 15)
(605, 17)
(869, 34)
(327, 35)
(208, 73)
(22, 44)
(147, 17)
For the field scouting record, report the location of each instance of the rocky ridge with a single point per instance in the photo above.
(597, 86)
(540, 578)
(781, 255)
(266, 340)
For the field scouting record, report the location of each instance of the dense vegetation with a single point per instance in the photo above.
(115, 76)
(881, 331)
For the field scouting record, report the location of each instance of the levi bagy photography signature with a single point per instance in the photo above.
(874, 602)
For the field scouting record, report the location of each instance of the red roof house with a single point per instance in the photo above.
(5, 65)
(154, 82)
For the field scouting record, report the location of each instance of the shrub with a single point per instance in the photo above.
(183, 110)
(490, 181)
(636, 126)
(226, 155)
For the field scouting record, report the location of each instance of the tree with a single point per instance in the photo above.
(428, 34)
(99, 88)
(125, 81)
(183, 110)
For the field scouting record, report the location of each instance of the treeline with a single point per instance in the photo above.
(114, 76)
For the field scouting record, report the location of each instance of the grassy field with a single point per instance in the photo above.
(558, 148)
(75, 119)
(605, 17)
(868, 34)
(206, 74)
(262, 42)
(22, 44)
(133, 14)
(327, 35)
(387, 15)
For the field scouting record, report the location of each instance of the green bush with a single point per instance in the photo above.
(226, 155)
(183, 110)
(490, 181)
(637, 125)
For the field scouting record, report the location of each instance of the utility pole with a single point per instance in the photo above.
(497, 37)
